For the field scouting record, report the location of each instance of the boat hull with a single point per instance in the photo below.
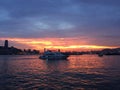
(53, 58)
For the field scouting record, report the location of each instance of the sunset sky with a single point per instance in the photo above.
(60, 24)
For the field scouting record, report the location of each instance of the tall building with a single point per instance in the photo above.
(6, 44)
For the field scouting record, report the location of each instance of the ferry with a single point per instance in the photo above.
(50, 55)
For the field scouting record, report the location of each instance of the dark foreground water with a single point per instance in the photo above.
(85, 72)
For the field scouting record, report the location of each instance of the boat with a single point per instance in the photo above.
(100, 54)
(49, 55)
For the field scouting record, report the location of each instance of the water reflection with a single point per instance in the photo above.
(78, 72)
(86, 61)
(56, 65)
(4, 67)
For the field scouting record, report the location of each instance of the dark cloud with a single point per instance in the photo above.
(100, 2)
(59, 18)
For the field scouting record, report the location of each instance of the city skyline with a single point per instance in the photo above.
(60, 24)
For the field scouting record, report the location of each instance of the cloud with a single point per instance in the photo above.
(60, 19)
(100, 2)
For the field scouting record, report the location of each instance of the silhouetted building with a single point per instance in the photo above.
(6, 50)
(58, 50)
(6, 44)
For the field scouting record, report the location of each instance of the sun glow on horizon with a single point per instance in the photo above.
(54, 43)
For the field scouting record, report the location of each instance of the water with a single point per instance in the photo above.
(85, 72)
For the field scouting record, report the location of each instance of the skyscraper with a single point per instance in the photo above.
(6, 44)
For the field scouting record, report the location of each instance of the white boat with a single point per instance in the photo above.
(49, 55)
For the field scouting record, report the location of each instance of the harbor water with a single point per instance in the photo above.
(79, 72)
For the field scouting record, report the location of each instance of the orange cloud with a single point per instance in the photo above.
(55, 43)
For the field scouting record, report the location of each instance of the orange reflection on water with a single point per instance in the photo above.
(85, 63)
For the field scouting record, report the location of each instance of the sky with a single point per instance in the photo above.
(60, 24)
